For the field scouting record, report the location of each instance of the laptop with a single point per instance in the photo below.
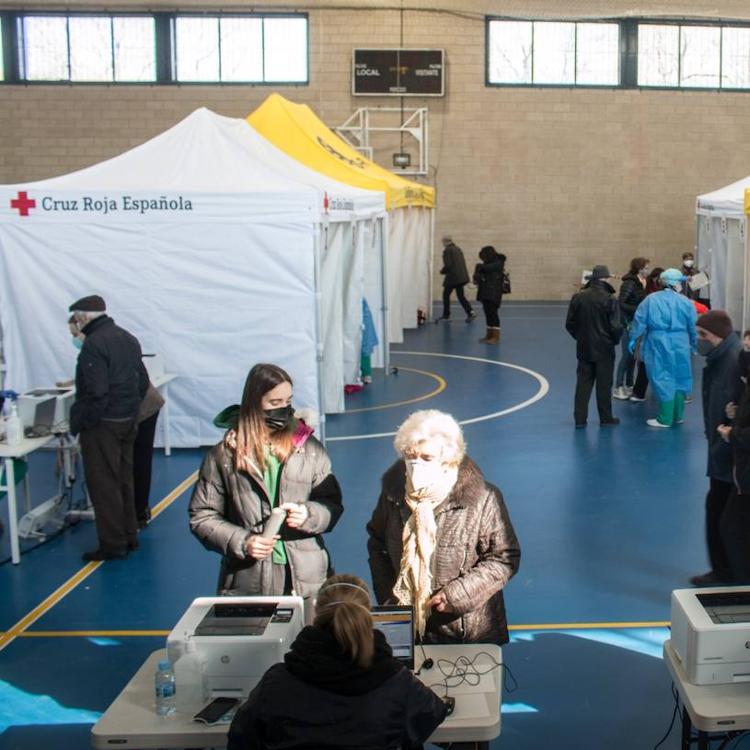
(396, 623)
(44, 418)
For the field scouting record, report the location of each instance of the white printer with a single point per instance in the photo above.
(236, 639)
(711, 633)
(29, 402)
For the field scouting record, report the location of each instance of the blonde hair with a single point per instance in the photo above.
(343, 606)
(431, 424)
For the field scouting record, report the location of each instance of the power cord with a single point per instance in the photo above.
(465, 671)
(674, 716)
(427, 663)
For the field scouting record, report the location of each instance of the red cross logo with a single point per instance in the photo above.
(22, 203)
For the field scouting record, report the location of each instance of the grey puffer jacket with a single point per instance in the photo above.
(476, 554)
(228, 505)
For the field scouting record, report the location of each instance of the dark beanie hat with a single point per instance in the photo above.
(716, 322)
(92, 303)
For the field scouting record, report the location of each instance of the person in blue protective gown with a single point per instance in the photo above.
(665, 324)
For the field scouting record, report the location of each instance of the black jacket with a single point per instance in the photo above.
(318, 698)
(594, 321)
(632, 293)
(489, 280)
(454, 266)
(721, 384)
(740, 442)
(111, 379)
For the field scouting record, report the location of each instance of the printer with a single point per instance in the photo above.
(236, 639)
(711, 633)
(29, 401)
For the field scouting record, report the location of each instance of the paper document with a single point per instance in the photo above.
(698, 281)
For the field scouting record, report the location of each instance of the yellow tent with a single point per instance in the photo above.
(296, 130)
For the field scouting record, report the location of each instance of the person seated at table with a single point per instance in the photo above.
(440, 537)
(267, 458)
(338, 687)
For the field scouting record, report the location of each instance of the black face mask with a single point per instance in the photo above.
(278, 419)
(744, 361)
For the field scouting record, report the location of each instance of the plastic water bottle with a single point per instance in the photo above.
(165, 691)
(13, 426)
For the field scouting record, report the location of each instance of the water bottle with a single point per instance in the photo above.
(13, 426)
(165, 691)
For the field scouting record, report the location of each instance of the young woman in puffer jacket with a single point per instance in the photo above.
(338, 687)
(267, 458)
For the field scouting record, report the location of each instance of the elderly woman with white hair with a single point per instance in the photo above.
(440, 538)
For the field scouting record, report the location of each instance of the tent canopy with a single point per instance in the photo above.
(200, 249)
(297, 130)
(726, 201)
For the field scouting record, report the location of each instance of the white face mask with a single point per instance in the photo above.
(424, 475)
(688, 263)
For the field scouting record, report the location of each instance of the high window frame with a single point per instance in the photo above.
(13, 59)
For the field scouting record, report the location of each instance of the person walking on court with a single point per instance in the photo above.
(632, 293)
(594, 322)
(455, 276)
(719, 344)
(488, 276)
(665, 323)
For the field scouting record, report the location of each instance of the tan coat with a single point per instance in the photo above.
(477, 553)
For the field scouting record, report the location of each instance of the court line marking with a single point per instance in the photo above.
(63, 590)
(442, 385)
(160, 633)
(540, 394)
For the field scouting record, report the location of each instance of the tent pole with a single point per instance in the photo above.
(319, 333)
(431, 265)
(384, 292)
(745, 263)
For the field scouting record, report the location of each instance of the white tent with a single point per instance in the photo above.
(722, 249)
(207, 255)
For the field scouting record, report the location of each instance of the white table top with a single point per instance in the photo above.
(712, 708)
(131, 721)
(26, 446)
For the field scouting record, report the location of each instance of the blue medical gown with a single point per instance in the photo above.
(666, 320)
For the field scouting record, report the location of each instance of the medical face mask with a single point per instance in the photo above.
(688, 263)
(77, 342)
(424, 475)
(704, 347)
(644, 272)
(278, 419)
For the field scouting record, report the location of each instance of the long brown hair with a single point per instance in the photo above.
(252, 431)
(343, 606)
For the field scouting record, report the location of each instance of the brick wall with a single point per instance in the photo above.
(558, 179)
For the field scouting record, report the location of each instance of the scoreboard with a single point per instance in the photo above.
(398, 72)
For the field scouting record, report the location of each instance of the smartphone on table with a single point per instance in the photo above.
(215, 710)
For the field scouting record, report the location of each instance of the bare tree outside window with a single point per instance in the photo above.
(554, 53)
(597, 58)
(241, 49)
(90, 48)
(658, 55)
(735, 64)
(134, 52)
(45, 48)
(509, 52)
(700, 56)
(197, 48)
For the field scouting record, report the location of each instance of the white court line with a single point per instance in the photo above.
(540, 394)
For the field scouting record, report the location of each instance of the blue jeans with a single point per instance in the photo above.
(626, 365)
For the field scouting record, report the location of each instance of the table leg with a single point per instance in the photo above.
(165, 422)
(27, 491)
(687, 725)
(10, 481)
(704, 741)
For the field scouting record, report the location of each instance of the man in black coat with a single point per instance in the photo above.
(594, 322)
(111, 382)
(720, 345)
(455, 276)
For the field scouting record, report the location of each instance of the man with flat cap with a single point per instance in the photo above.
(111, 382)
(594, 322)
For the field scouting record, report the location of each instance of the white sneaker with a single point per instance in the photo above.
(656, 423)
(621, 393)
(636, 398)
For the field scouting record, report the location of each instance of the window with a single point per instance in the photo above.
(88, 48)
(693, 56)
(553, 53)
(250, 49)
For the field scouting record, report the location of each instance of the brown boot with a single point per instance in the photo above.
(487, 336)
(494, 336)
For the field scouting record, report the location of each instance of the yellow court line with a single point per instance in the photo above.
(93, 633)
(150, 633)
(592, 625)
(442, 385)
(81, 575)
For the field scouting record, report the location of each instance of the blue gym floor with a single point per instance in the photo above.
(610, 521)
